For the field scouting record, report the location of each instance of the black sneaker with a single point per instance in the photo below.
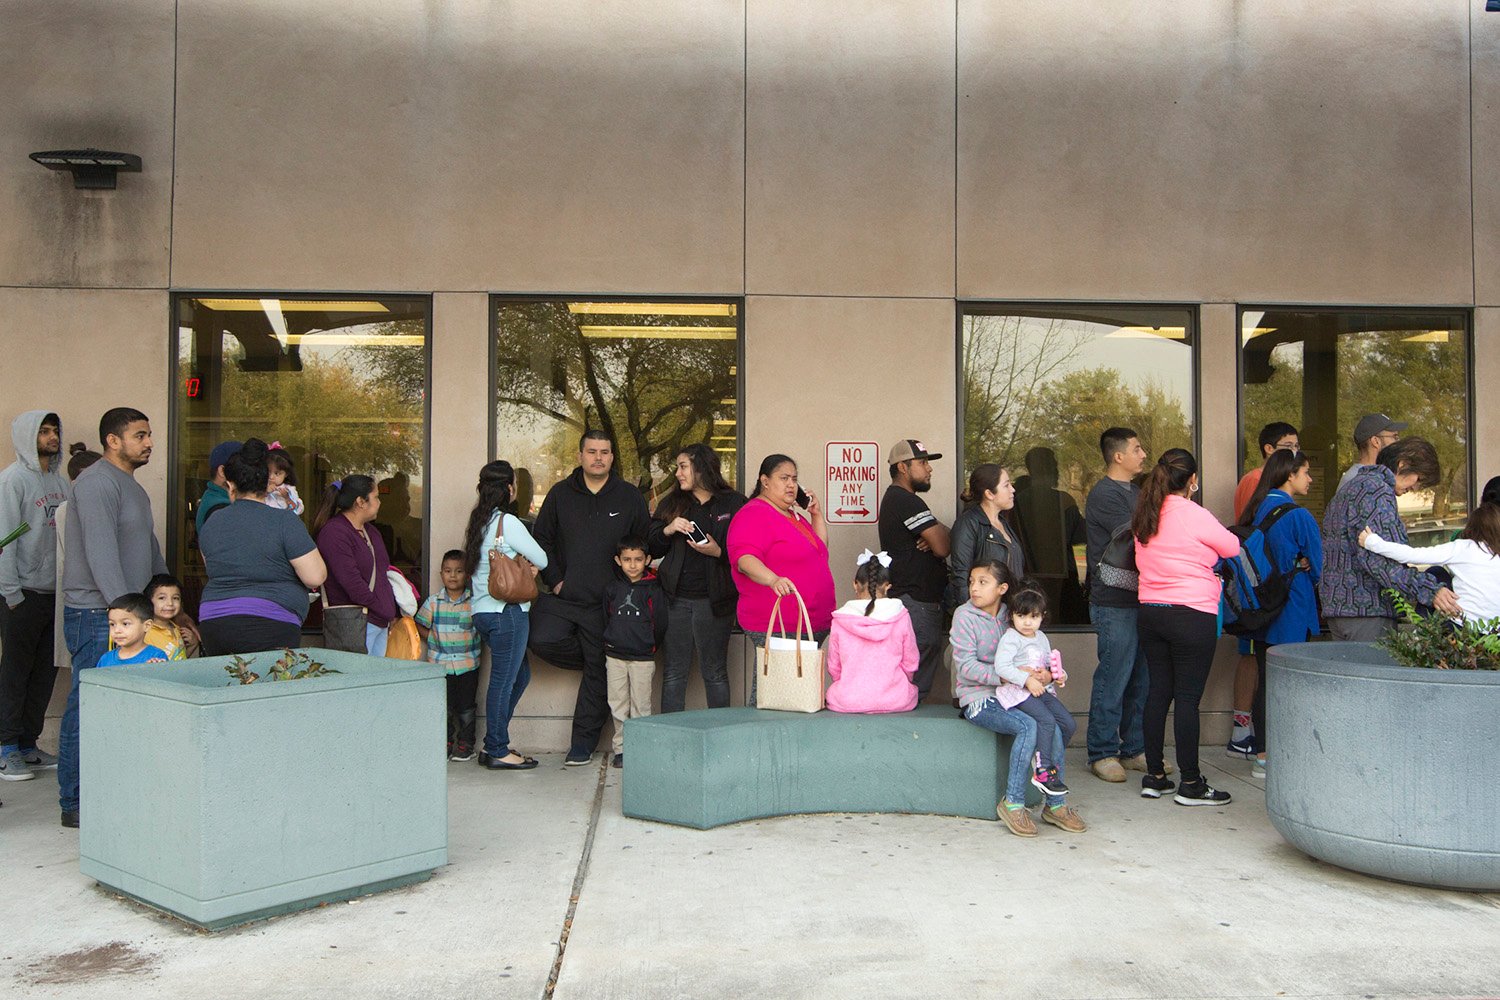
(1153, 785)
(1047, 780)
(577, 757)
(70, 819)
(619, 760)
(1200, 793)
(461, 751)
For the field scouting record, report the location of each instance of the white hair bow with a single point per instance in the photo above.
(881, 557)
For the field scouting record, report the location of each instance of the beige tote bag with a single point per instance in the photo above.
(790, 666)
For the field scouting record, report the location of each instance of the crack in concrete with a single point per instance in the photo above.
(578, 878)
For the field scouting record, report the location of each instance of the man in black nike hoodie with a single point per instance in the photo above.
(580, 524)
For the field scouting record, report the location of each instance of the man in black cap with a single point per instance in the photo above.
(1373, 432)
(917, 543)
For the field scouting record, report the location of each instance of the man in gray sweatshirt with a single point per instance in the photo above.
(31, 488)
(110, 549)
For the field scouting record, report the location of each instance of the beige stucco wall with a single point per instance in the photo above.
(849, 171)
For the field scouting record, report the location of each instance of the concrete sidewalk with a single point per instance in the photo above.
(1154, 901)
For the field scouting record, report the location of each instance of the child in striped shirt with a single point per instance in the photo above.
(447, 625)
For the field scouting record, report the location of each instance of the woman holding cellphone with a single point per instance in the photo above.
(690, 533)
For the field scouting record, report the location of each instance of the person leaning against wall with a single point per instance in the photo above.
(983, 532)
(31, 490)
(1355, 581)
(918, 545)
(778, 542)
(689, 532)
(260, 561)
(581, 521)
(356, 557)
(111, 551)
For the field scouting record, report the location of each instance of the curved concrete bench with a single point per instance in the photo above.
(707, 768)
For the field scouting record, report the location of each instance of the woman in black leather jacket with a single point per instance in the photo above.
(982, 533)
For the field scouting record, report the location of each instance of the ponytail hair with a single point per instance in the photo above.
(872, 575)
(247, 468)
(341, 495)
(769, 465)
(984, 479)
(1281, 466)
(496, 487)
(1170, 475)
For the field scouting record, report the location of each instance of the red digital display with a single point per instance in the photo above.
(194, 386)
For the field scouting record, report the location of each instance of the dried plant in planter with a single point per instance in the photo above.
(292, 666)
(1442, 643)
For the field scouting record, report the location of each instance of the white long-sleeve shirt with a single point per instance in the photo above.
(1476, 572)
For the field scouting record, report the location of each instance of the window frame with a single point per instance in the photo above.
(175, 499)
(499, 299)
(1006, 307)
(1467, 312)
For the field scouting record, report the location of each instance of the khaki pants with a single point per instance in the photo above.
(629, 683)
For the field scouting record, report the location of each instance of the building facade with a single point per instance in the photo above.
(404, 238)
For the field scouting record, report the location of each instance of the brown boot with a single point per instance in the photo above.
(1138, 763)
(1109, 769)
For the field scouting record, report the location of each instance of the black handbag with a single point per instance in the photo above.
(344, 624)
(1116, 567)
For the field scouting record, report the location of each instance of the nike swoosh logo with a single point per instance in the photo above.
(614, 513)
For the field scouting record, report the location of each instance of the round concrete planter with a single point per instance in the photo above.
(1384, 769)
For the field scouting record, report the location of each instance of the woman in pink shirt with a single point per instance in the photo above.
(778, 541)
(1177, 546)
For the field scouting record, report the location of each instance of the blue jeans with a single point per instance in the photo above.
(1017, 724)
(375, 639)
(86, 631)
(505, 634)
(1117, 705)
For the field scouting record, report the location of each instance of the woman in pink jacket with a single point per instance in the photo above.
(872, 650)
(1177, 546)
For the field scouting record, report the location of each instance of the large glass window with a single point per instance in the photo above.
(1322, 369)
(656, 375)
(1039, 384)
(340, 383)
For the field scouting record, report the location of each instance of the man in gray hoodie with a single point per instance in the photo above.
(110, 550)
(31, 488)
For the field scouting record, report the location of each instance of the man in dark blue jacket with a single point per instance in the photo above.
(580, 525)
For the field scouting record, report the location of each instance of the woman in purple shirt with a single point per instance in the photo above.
(356, 555)
(261, 562)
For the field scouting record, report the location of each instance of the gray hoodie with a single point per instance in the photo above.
(30, 493)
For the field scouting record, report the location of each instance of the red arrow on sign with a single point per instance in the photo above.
(862, 512)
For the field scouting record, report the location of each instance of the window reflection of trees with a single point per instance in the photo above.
(1322, 370)
(341, 385)
(1039, 389)
(655, 380)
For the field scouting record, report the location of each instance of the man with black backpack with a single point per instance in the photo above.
(1116, 739)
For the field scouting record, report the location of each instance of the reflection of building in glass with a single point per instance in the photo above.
(341, 383)
(656, 375)
(1322, 369)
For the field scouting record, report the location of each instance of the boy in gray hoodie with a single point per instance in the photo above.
(31, 488)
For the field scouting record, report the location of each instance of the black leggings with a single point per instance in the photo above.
(1179, 644)
(1049, 714)
(1258, 707)
(247, 634)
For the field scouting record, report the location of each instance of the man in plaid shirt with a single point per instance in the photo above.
(446, 622)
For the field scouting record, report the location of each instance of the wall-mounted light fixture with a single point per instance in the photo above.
(92, 169)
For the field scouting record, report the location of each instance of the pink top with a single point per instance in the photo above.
(1177, 565)
(872, 659)
(789, 547)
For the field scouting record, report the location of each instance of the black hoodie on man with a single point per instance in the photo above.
(579, 531)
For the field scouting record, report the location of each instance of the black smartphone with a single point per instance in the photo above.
(802, 498)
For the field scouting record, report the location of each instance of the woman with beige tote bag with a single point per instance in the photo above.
(789, 668)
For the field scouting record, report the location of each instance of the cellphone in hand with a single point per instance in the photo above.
(697, 534)
(802, 498)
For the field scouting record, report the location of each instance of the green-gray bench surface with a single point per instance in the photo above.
(707, 768)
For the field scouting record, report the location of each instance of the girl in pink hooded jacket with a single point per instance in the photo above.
(872, 650)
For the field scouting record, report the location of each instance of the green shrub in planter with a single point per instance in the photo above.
(1442, 643)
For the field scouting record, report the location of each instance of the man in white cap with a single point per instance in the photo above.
(1373, 432)
(918, 544)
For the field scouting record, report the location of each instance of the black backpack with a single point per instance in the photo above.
(1116, 566)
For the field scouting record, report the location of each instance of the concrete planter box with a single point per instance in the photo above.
(1384, 769)
(223, 803)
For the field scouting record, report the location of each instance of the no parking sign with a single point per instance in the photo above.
(852, 495)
